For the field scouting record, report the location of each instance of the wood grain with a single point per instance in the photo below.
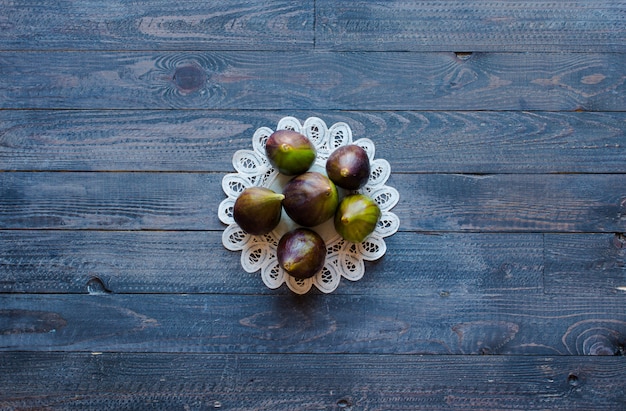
(415, 264)
(452, 25)
(428, 202)
(313, 80)
(152, 25)
(191, 262)
(421, 142)
(196, 262)
(504, 123)
(288, 382)
(585, 264)
(506, 323)
(110, 200)
(523, 203)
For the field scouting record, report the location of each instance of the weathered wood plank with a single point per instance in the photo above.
(152, 25)
(428, 202)
(488, 25)
(288, 382)
(176, 201)
(115, 290)
(417, 264)
(424, 142)
(313, 80)
(505, 323)
(196, 262)
(586, 263)
(535, 203)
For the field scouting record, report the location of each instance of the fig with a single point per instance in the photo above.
(258, 210)
(301, 253)
(290, 152)
(356, 217)
(310, 199)
(348, 167)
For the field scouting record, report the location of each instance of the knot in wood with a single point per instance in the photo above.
(189, 78)
(463, 55)
(572, 380)
(95, 286)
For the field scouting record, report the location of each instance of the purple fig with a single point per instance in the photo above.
(310, 199)
(290, 152)
(356, 217)
(301, 253)
(348, 167)
(257, 210)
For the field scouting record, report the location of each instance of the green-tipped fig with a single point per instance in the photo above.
(301, 253)
(310, 199)
(348, 167)
(290, 152)
(356, 217)
(257, 210)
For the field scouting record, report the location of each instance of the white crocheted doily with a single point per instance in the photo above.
(344, 258)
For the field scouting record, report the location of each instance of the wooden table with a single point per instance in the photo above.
(504, 125)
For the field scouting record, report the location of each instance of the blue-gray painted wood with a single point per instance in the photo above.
(129, 262)
(482, 323)
(78, 381)
(313, 81)
(428, 202)
(414, 142)
(156, 24)
(486, 25)
(504, 125)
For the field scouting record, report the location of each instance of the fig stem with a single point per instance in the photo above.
(345, 220)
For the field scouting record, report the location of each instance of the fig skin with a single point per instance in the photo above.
(348, 167)
(301, 253)
(290, 152)
(356, 217)
(310, 199)
(258, 210)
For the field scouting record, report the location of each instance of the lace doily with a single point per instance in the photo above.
(343, 258)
